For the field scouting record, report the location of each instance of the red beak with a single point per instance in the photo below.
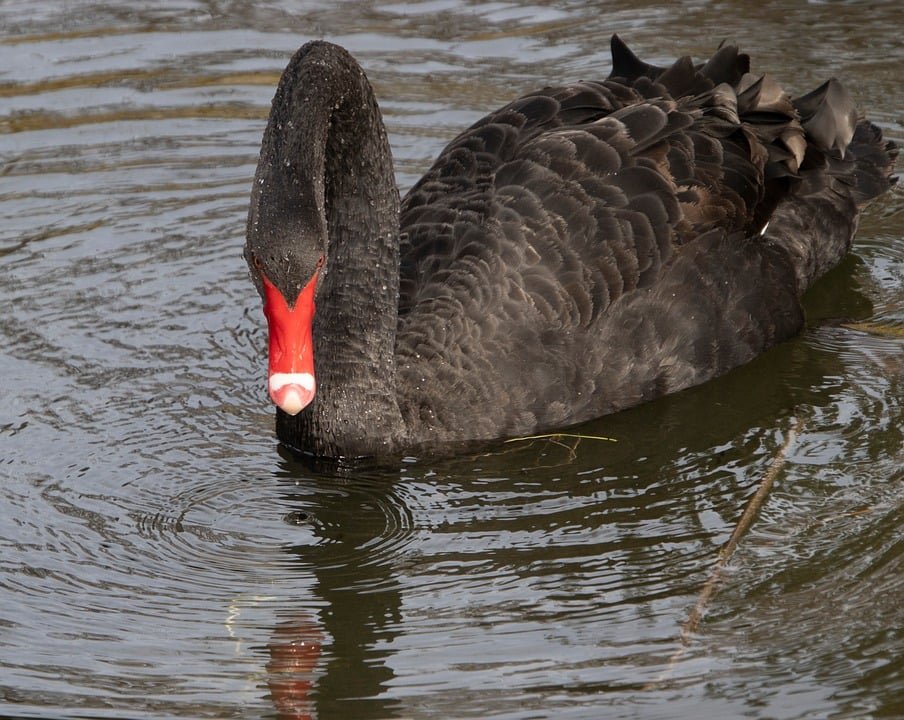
(291, 369)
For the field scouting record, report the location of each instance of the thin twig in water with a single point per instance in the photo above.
(560, 435)
(558, 439)
(690, 626)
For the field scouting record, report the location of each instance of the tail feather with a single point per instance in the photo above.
(828, 115)
(874, 163)
(816, 225)
(800, 169)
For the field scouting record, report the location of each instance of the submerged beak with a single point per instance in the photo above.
(291, 368)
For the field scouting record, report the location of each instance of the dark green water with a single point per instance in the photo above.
(160, 558)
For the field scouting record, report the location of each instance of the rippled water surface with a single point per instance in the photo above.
(159, 557)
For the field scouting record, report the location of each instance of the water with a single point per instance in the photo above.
(161, 558)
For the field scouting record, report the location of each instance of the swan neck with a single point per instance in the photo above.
(353, 190)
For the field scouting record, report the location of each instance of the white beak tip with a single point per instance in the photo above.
(292, 392)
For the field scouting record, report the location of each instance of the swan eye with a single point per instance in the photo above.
(320, 262)
(256, 262)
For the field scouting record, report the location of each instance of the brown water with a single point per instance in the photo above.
(160, 558)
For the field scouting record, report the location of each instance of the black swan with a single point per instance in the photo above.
(581, 250)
